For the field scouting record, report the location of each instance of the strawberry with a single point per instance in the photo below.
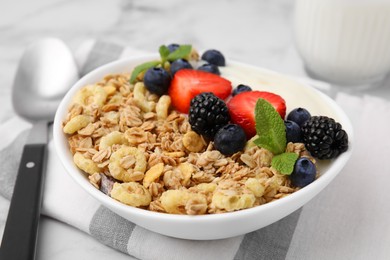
(188, 83)
(242, 108)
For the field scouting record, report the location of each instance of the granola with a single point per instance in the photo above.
(135, 148)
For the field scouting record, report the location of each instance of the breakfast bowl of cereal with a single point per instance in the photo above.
(194, 146)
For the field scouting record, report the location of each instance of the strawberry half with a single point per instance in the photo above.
(242, 108)
(188, 83)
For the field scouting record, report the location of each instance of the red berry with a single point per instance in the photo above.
(188, 83)
(242, 108)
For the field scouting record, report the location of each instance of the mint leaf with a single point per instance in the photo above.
(269, 127)
(164, 53)
(142, 67)
(284, 163)
(180, 53)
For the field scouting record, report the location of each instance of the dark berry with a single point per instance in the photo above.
(106, 183)
(324, 138)
(214, 57)
(210, 68)
(207, 114)
(304, 172)
(293, 132)
(230, 139)
(157, 80)
(241, 88)
(178, 65)
(299, 115)
(173, 47)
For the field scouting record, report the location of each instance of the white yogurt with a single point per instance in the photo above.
(344, 41)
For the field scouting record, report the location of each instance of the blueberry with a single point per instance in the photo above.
(230, 139)
(293, 132)
(304, 172)
(157, 80)
(299, 115)
(178, 65)
(241, 88)
(173, 47)
(210, 68)
(214, 57)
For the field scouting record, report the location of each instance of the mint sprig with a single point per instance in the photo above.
(284, 162)
(270, 128)
(182, 52)
(164, 53)
(271, 133)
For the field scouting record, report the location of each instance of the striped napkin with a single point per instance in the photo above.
(348, 220)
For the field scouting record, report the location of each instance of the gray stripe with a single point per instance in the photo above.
(101, 53)
(271, 242)
(111, 229)
(9, 161)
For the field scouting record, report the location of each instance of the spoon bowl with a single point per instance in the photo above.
(41, 80)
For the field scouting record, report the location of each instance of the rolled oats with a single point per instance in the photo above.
(156, 205)
(95, 179)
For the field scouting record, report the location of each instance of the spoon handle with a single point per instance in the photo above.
(21, 229)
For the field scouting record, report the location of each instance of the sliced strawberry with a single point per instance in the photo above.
(188, 83)
(242, 108)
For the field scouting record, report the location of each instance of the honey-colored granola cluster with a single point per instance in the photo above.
(135, 148)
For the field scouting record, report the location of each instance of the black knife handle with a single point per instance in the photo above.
(21, 229)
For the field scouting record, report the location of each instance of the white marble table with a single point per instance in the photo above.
(256, 32)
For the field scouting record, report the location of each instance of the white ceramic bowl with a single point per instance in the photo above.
(224, 225)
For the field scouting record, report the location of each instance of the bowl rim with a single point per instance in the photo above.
(81, 179)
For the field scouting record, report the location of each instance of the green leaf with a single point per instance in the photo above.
(269, 127)
(164, 53)
(142, 67)
(284, 162)
(180, 53)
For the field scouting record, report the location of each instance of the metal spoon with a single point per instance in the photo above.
(46, 71)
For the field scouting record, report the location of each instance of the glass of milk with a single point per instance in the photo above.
(346, 42)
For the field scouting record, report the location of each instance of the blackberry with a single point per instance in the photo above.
(324, 138)
(208, 114)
